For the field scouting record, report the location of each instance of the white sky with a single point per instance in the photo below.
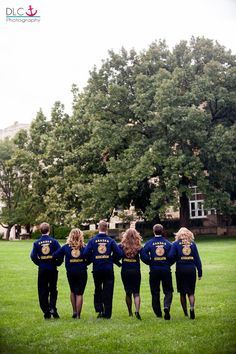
(40, 61)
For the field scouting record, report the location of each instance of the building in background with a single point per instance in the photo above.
(11, 131)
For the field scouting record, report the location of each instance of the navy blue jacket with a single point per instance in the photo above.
(74, 260)
(42, 252)
(155, 253)
(130, 263)
(101, 249)
(185, 256)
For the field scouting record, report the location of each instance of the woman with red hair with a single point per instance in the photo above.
(130, 272)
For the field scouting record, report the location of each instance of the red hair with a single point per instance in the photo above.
(131, 243)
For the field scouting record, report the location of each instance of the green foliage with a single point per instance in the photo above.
(59, 232)
(146, 127)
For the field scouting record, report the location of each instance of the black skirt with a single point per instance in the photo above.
(131, 279)
(77, 281)
(186, 280)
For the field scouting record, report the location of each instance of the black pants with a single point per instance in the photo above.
(47, 289)
(155, 278)
(103, 295)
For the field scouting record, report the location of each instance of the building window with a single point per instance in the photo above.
(196, 205)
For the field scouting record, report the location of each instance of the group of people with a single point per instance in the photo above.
(103, 251)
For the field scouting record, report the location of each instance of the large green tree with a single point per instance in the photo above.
(157, 118)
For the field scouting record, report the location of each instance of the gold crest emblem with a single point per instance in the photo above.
(186, 250)
(75, 253)
(102, 248)
(45, 249)
(160, 251)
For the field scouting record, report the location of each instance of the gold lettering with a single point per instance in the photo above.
(159, 258)
(102, 257)
(76, 260)
(129, 260)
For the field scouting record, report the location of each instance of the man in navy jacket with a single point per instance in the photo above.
(41, 255)
(101, 250)
(155, 253)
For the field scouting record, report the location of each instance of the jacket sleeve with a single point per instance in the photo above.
(34, 255)
(88, 259)
(172, 254)
(117, 251)
(144, 255)
(116, 260)
(58, 255)
(197, 261)
(87, 253)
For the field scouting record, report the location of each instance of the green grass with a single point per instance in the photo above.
(23, 329)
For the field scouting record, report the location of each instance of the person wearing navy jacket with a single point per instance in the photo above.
(185, 253)
(155, 253)
(41, 255)
(101, 249)
(76, 267)
(130, 271)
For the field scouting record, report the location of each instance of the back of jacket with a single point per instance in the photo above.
(42, 252)
(186, 255)
(100, 249)
(74, 260)
(155, 253)
(130, 263)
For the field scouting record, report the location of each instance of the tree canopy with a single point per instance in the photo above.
(146, 127)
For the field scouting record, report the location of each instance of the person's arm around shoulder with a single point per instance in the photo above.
(144, 254)
(87, 252)
(172, 253)
(59, 254)
(88, 258)
(117, 251)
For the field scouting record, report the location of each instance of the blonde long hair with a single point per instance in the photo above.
(75, 239)
(131, 243)
(185, 235)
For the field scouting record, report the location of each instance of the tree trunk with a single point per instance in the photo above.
(184, 210)
(9, 227)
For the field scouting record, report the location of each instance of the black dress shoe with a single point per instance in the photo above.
(47, 315)
(192, 314)
(137, 315)
(159, 314)
(167, 314)
(54, 313)
(74, 315)
(100, 315)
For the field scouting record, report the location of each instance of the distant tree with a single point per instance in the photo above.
(19, 205)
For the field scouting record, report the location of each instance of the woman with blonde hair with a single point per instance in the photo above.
(76, 266)
(130, 271)
(185, 253)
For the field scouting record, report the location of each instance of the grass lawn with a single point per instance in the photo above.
(23, 329)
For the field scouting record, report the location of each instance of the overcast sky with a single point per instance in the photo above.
(39, 62)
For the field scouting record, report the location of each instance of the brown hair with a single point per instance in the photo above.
(75, 239)
(102, 226)
(158, 229)
(44, 228)
(131, 243)
(184, 234)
